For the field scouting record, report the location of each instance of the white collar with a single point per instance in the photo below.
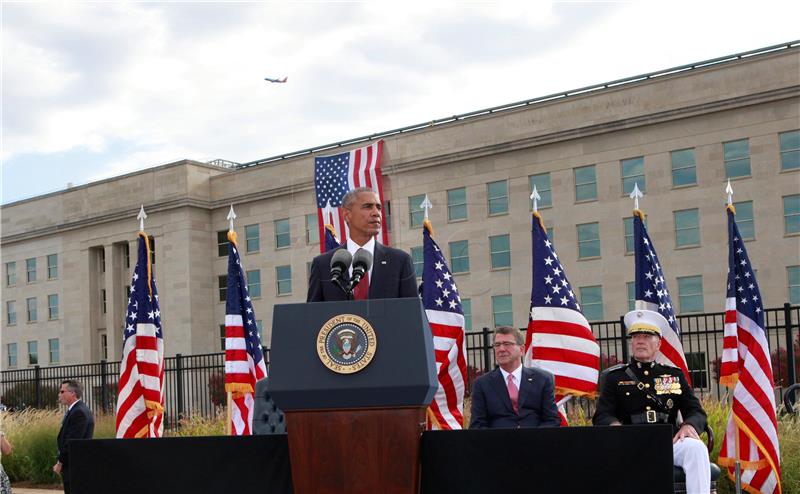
(73, 404)
(517, 373)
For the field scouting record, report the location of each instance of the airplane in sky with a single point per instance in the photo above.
(280, 81)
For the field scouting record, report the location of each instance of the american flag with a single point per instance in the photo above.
(140, 402)
(331, 242)
(652, 294)
(335, 175)
(746, 368)
(443, 307)
(559, 338)
(244, 358)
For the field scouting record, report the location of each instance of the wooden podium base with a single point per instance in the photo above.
(356, 451)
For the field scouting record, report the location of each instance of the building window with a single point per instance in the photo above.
(312, 229)
(12, 354)
(53, 347)
(415, 212)
(282, 234)
(791, 214)
(502, 313)
(627, 224)
(387, 215)
(101, 257)
(793, 273)
(737, 158)
(744, 219)
(690, 294)
(585, 183)
(103, 346)
(251, 234)
(33, 352)
(497, 197)
(687, 228)
(542, 183)
(103, 299)
(11, 273)
(222, 337)
(32, 311)
(253, 283)
(30, 267)
(790, 150)
(52, 266)
(152, 241)
(459, 256)
(283, 279)
(52, 307)
(631, 288)
(588, 240)
(126, 249)
(457, 204)
(684, 171)
(466, 308)
(698, 370)
(418, 258)
(222, 243)
(127, 293)
(223, 287)
(633, 173)
(11, 312)
(551, 234)
(260, 331)
(592, 302)
(500, 250)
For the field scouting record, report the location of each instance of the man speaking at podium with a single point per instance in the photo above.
(391, 273)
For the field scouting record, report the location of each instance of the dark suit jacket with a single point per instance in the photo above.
(78, 424)
(392, 276)
(491, 406)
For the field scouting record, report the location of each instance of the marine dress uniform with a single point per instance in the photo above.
(653, 393)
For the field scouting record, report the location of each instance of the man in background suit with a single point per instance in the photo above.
(513, 396)
(392, 272)
(78, 423)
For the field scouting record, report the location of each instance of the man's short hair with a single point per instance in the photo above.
(350, 197)
(513, 331)
(74, 386)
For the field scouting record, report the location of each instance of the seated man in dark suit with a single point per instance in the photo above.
(392, 272)
(513, 396)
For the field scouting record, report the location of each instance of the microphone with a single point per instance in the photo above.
(362, 261)
(340, 263)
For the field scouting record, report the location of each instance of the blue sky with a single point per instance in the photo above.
(94, 90)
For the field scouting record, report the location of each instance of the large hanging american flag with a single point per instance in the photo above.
(244, 358)
(335, 175)
(443, 307)
(559, 338)
(652, 294)
(140, 402)
(746, 368)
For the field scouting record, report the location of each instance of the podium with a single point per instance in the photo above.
(354, 379)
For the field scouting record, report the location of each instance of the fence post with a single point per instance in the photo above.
(37, 372)
(486, 350)
(103, 387)
(179, 383)
(623, 340)
(791, 378)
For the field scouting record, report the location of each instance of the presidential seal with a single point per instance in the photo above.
(346, 343)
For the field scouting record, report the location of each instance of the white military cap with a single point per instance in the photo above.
(645, 321)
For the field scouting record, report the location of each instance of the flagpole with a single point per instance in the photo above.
(229, 408)
(737, 469)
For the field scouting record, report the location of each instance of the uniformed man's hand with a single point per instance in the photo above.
(686, 430)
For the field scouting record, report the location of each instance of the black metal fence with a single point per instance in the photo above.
(195, 384)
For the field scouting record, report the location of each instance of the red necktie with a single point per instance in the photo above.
(361, 291)
(513, 393)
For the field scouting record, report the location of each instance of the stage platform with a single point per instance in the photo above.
(618, 460)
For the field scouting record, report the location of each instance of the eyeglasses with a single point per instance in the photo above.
(504, 344)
